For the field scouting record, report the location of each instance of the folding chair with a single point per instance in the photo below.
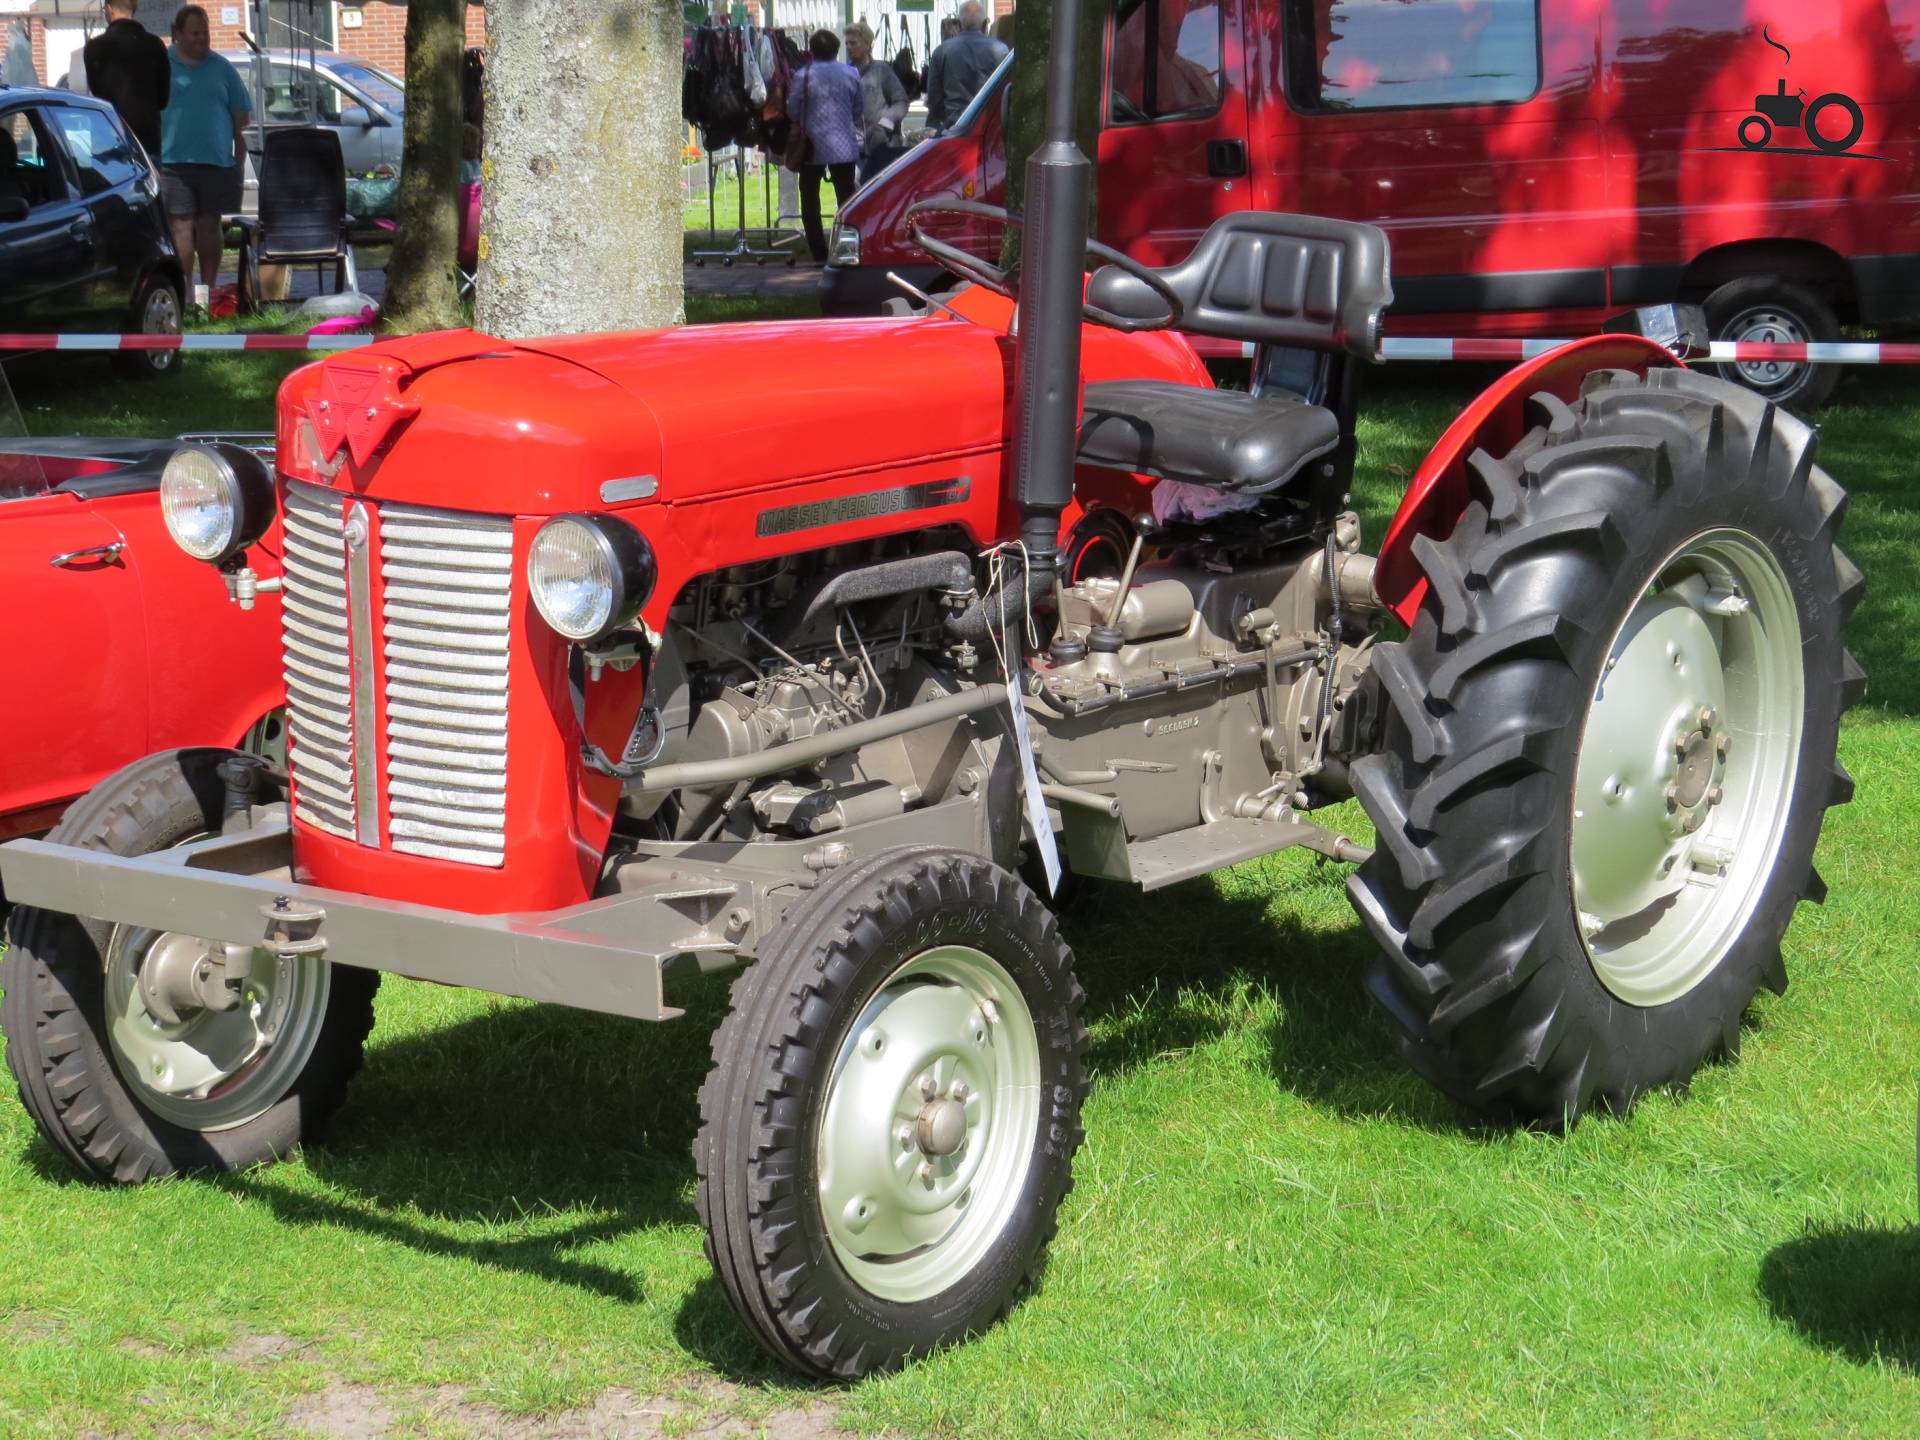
(303, 216)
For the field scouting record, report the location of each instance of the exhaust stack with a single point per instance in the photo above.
(1047, 351)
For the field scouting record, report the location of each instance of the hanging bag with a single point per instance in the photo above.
(799, 148)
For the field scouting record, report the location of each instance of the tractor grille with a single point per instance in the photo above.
(318, 671)
(443, 646)
(448, 581)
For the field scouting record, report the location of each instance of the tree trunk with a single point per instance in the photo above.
(580, 226)
(423, 282)
(1027, 108)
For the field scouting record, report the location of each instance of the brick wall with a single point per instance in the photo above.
(381, 36)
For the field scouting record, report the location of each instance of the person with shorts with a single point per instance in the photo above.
(202, 145)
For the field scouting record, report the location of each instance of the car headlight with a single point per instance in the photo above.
(846, 246)
(216, 499)
(589, 574)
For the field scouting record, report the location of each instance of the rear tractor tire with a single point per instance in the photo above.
(129, 1053)
(1609, 746)
(890, 1123)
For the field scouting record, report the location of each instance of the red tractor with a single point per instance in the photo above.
(598, 678)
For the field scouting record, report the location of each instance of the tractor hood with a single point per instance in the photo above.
(594, 422)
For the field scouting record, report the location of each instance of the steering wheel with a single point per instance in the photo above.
(1005, 282)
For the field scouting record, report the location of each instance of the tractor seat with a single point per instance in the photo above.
(1226, 439)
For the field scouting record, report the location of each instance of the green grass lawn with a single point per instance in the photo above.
(1276, 1230)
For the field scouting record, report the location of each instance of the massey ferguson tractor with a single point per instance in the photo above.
(599, 679)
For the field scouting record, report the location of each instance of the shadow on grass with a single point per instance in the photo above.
(1850, 1288)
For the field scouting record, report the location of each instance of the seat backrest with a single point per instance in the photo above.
(1271, 279)
(303, 192)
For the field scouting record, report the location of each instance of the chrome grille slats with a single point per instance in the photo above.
(314, 637)
(447, 583)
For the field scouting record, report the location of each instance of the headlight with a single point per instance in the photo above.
(216, 500)
(589, 574)
(846, 246)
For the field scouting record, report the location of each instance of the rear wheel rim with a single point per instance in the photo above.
(1769, 325)
(928, 1124)
(161, 316)
(206, 1069)
(1687, 765)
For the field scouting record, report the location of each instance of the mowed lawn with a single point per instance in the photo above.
(1276, 1230)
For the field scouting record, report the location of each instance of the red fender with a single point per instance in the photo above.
(1494, 422)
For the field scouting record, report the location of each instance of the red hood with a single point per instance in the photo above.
(467, 422)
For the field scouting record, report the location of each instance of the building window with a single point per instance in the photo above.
(1399, 54)
(1166, 60)
(299, 25)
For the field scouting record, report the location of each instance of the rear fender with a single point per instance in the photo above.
(1494, 422)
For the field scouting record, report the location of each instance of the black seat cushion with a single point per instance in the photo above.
(1226, 439)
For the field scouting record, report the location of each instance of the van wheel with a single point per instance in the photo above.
(132, 1053)
(1609, 747)
(1767, 310)
(156, 312)
(890, 1123)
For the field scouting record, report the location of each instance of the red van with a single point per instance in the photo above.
(1539, 164)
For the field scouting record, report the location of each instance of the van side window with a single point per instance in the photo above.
(1398, 54)
(1166, 60)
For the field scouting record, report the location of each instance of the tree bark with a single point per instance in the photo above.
(1027, 106)
(580, 225)
(423, 283)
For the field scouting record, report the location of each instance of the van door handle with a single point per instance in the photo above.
(107, 553)
(1226, 159)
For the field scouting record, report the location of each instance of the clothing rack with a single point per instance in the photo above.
(742, 248)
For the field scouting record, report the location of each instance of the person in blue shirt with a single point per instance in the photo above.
(826, 98)
(202, 145)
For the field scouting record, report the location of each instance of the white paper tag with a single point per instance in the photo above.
(1030, 785)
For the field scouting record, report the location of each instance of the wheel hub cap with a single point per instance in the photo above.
(1767, 327)
(1686, 768)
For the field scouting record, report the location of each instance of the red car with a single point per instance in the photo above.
(126, 645)
(1538, 166)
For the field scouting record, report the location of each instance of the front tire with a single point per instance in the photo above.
(1583, 876)
(125, 1075)
(890, 1124)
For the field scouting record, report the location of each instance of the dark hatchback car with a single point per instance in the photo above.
(84, 244)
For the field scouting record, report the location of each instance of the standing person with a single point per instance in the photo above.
(202, 143)
(960, 66)
(826, 98)
(883, 97)
(128, 68)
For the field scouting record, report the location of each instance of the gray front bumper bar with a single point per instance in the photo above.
(606, 954)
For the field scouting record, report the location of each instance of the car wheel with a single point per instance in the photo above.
(1764, 310)
(157, 312)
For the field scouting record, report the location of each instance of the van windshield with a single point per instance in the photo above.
(989, 94)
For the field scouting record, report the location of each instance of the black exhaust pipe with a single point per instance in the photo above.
(1047, 352)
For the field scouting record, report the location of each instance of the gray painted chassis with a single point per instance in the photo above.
(690, 904)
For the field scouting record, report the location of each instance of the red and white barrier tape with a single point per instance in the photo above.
(1826, 352)
(1393, 347)
(184, 342)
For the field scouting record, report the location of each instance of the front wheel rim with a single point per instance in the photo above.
(928, 1124)
(206, 1068)
(1687, 765)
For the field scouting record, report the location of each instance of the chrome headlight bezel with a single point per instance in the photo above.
(845, 246)
(226, 489)
(610, 564)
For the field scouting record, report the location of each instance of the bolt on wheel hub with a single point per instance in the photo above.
(1686, 767)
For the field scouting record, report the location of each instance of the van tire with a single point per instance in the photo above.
(1769, 304)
